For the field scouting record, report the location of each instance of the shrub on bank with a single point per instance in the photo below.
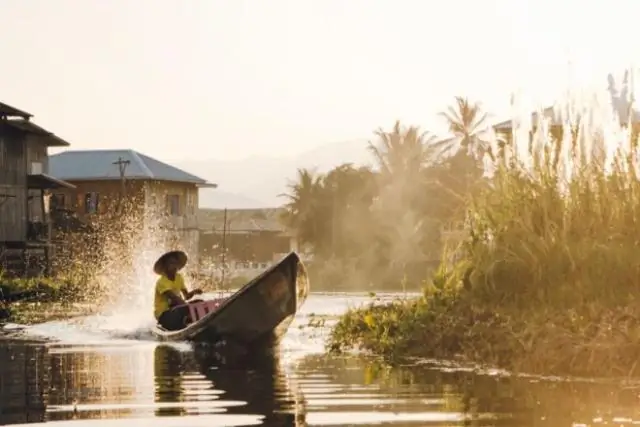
(38, 300)
(549, 341)
(548, 279)
(43, 290)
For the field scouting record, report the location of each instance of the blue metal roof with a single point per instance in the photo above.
(92, 165)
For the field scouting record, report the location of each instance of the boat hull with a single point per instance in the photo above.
(258, 314)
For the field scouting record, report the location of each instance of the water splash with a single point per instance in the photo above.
(120, 279)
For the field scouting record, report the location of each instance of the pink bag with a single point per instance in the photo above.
(198, 310)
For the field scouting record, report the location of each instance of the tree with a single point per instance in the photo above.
(448, 185)
(350, 191)
(300, 212)
(383, 225)
(401, 155)
(326, 210)
(402, 151)
(470, 128)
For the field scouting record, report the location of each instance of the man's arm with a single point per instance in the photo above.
(183, 289)
(174, 298)
(188, 294)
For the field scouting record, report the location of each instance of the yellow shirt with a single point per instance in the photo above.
(164, 284)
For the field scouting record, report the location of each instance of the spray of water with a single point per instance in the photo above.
(119, 276)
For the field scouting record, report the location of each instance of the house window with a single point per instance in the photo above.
(58, 201)
(173, 204)
(36, 168)
(91, 203)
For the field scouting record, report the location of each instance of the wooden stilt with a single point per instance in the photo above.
(47, 226)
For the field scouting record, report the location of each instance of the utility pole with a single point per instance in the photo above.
(224, 246)
(122, 167)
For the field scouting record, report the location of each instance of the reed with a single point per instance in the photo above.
(548, 278)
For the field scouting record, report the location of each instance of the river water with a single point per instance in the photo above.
(106, 371)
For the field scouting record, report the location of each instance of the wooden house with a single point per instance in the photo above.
(251, 239)
(107, 181)
(25, 229)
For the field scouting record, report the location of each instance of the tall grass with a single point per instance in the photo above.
(558, 233)
(548, 278)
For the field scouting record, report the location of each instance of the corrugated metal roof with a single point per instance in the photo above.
(51, 139)
(90, 165)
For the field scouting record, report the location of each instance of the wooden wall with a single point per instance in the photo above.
(252, 246)
(13, 183)
(157, 192)
(109, 193)
(20, 155)
(184, 225)
(149, 198)
(37, 162)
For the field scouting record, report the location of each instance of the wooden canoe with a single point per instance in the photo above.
(257, 314)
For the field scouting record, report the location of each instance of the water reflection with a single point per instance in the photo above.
(23, 383)
(95, 382)
(255, 385)
(167, 370)
(202, 387)
(341, 389)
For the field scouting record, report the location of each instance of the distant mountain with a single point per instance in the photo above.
(256, 181)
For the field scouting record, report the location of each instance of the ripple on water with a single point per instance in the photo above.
(91, 372)
(168, 421)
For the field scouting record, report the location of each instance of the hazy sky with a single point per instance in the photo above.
(227, 79)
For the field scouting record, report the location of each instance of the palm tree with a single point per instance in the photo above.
(402, 151)
(347, 195)
(324, 209)
(402, 154)
(302, 204)
(470, 128)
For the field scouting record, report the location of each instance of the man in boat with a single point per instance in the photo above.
(170, 303)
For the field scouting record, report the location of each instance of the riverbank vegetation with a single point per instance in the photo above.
(546, 275)
(39, 299)
(42, 289)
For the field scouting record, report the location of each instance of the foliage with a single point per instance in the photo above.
(454, 327)
(44, 289)
(547, 276)
(469, 126)
(537, 241)
(378, 227)
(31, 300)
